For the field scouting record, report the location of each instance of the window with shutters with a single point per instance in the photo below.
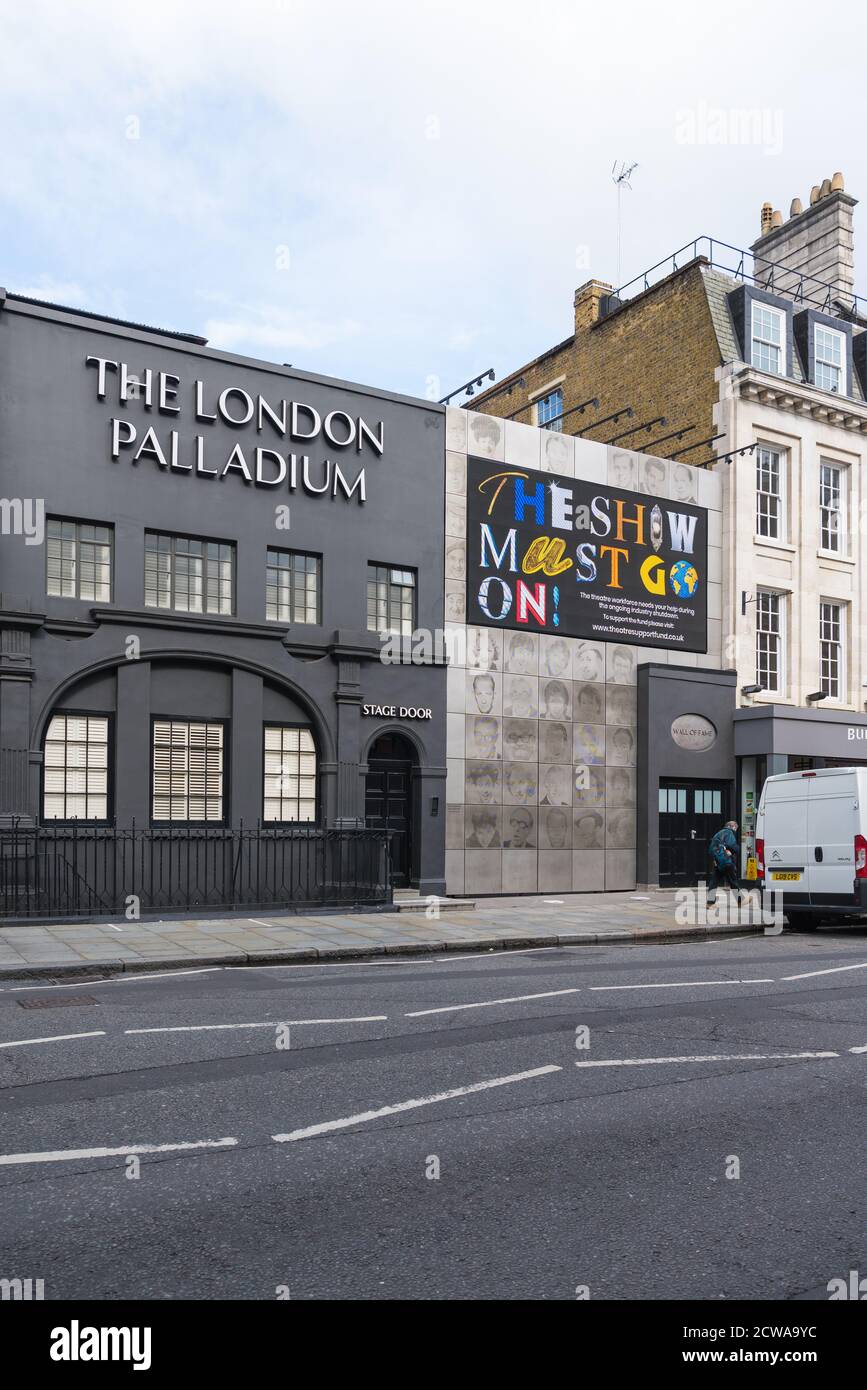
(75, 775)
(390, 600)
(78, 559)
(292, 586)
(188, 771)
(290, 774)
(189, 574)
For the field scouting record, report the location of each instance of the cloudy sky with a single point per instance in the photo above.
(401, 192)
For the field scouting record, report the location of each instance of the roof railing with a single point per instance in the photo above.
(777, 276)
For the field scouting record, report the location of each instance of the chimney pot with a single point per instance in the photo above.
(837, 185)
(777, 219)
(825, 189)
(814, 194)
(767, 213)
(795, 210)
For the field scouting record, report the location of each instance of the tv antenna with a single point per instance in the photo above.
(621, 179)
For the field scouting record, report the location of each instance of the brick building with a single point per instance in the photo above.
(752, 364)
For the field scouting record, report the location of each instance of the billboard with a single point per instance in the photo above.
(547, 553)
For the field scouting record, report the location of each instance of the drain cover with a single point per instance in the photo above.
(50, 1002)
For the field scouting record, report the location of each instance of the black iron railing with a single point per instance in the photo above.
(769, 272)
(85, 871)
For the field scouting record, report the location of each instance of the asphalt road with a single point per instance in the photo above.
(316, 1171)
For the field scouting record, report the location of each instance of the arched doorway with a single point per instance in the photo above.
(389, 800)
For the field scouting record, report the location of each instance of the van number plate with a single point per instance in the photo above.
(790, 878)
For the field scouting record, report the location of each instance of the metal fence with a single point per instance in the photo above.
(72, 871)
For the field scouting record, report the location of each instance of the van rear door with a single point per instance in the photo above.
(831, 831)
(785, 801)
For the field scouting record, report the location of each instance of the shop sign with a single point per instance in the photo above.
(693, 732)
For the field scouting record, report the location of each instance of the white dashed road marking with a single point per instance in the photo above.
(67, 1155)
(277, 1023)
(489, 1003)
(835, 970)
(719, 1057)
(365, 1116)
(59, 1037)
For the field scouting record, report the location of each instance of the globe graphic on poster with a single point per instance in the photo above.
(684, 579)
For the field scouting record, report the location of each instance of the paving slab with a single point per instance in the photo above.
(46, 949)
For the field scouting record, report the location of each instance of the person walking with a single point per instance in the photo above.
(722, 849)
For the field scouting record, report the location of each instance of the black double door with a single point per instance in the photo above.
(690, 813)
(388, 803)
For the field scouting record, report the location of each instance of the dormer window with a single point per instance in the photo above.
(768, 338)
(830, 358)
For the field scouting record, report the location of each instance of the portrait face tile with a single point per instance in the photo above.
(555, 657)
(484, 736)
(484, 692)
(555, 784)
(588, 662)
(653, 476)
(683, 483)
(456, 472)
(588, 702)
(620, 665)
(556, 743)
(619, 829)
(620, 746)
(520, 740)
(588, 829)
(484, 783)
(521, 696)
(456, 559)
(456, 429)
(520, 784)
(558, 453)
(588, 743)
(522, 653)
(456, 601)
(620, 787)
(555, 827)
(519, 827)
(484, 649)
(483, 827)
(622, 471)
(555, 699)
(588, 786)
(620, 705)
(456, 517)
(485, 436)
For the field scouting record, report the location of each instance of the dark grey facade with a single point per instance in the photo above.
(667, 694)
(367, 469)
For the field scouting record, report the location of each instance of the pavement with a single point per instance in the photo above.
(64, 949)
(670, 1120)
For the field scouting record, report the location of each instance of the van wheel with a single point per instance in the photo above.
(807, 921)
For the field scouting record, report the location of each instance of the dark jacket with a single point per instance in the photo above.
(723, 840)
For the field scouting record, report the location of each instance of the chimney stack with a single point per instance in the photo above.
(817, 241)
(587, 302)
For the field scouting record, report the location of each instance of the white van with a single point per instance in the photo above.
(811, 843)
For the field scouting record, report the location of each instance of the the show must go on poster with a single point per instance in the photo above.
(562, 555)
